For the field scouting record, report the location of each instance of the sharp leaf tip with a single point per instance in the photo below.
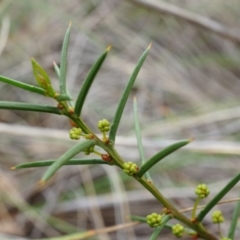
(109, 48)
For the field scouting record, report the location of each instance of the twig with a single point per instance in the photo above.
(90, 233)
(202, 206)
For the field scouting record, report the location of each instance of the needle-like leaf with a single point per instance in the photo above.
(235, 217)
(126, 92)
(158, 230)
(218, 197)
(138, 135)
(160, 155)
(22, 85)
(138, 218)
(45, 163)
(88, 82)
(63, 97)
(63, 63)
(66, 157)
(57, 69)
(29, 107)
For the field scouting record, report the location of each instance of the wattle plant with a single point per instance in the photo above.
(87, 140)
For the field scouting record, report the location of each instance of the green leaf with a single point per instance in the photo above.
(234, 221)
(45, 163)
(126, 92)
(63, 63)
(42, 78)
(138, 131)
(138, 218)
(22, 85)
(138, 135)
(63, 97)
(160, 155)
(66, 157)
(29, 107)
(158, 230)
(57, 69)
(88, 82)
(218, 197)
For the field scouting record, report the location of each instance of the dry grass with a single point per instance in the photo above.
(188, 87)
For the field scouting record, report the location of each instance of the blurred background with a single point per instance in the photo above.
(188, 87)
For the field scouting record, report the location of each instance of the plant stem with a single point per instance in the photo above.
(81, 124)
(119, 161)
(152, 189)
(176, 214)
(112, 152)
(195, 208)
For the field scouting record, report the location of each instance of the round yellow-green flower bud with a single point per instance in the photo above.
(154, 220)
(104, 125)
(217, 217)
(87, 151)
(178, 230)
(225, 238)
(202, 190)
(75, 133)
(130, 168)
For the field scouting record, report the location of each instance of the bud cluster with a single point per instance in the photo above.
(87, 151)
(154, 220)
(217, 217)
(75, 133)
(104, 125)
(130, 168)
(202, 191)
(178, 230)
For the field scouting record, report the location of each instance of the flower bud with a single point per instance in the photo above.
(75, 133)
(130, 168)
(87, 151)
(178, 230)
(154, 220)
(217, 217)
(104, 125)
(202, 190)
